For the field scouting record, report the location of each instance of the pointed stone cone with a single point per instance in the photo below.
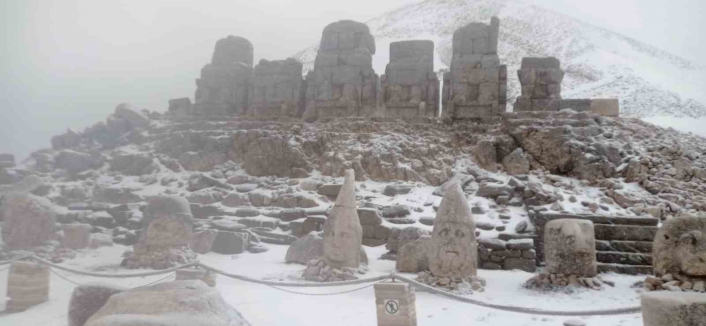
(454, 250)
(454, 207)
(343, 234)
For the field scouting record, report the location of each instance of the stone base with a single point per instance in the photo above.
(27, 285)
(158, 258)
(318, 271)
(553, 281)
(465, 285)
(673, 309)
(675, 283)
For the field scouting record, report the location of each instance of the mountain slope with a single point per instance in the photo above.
(598, 63)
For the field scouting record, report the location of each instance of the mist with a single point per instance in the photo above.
(68, 64)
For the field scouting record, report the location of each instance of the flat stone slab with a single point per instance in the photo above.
(625, 232)
(666, 308)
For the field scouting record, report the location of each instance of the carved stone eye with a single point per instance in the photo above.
(444, 232)
(459, 234)
(570, 239)
(688, 239)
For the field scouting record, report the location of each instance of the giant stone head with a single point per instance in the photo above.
(454, 250)
(680, 247)
(343, 234)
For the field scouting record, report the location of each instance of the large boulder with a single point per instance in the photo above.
(178, 303)
(516, 163)
(29, 220)
(680, 247)
(230, 243)
(75, 162)
(133, 118)
(311, 247)
(76, 236)
(202, 242)
(133, 164)
(666, 308)
(87, 299)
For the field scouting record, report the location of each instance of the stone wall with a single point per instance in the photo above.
(410, 87)
(540, 79)
(498, 254)
(224, 84)
(277, 89)
(477, 82)
(343, 82)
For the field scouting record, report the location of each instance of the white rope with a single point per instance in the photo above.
(5, 262)
(160, 272)
(523, 310)
(322, 294)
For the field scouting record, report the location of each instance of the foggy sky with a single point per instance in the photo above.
(67, 64)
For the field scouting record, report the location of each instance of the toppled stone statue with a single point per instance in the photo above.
(410, 87)
(540, 79)
(570, 254)
(277, 89)
(453, 256)
(172, 303)
(225, 82)
(343, 236)
(679, 253)
(165, 239)
(343, 82)
(476, 86)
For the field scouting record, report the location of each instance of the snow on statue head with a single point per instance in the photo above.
(169, 222)
(343, 233)
(680, 247)
(454, 250)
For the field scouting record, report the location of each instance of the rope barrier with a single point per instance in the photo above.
(531, 311)
(160, 272)
(293, 284)
(64, 278)
(10, 261)
(322, 294)
(393, 276)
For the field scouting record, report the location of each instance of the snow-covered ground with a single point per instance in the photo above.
(263, 305)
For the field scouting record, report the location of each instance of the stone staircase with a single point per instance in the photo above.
(623, 244)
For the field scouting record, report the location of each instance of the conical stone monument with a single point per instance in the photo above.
(343, 233)
(343, 236)
(454, 250)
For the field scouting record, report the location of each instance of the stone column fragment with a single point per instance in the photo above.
(410, 87)
(570, 247)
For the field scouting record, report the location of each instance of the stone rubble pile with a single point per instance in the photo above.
(548, 282)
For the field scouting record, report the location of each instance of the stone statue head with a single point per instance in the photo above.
(454, 250)
(168, 222)
(680, 247)
(570, 247)
(343, 234)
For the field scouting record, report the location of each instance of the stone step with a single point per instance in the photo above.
(625, 232)
(543, 217)
(624, 258)
(644, 247)
(625, 269)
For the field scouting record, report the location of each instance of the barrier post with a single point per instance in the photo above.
(396, 304)
(27, 285)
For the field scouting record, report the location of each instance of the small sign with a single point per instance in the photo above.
(392, 307)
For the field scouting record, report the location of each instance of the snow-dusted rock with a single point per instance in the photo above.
(173, 303)
(413, 257)
(29, 220)
(680, 247)
(667, 308)
(87, 299)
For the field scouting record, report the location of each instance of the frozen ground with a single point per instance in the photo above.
(263, 305)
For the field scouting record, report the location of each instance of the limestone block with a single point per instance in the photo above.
(395, 304)
(413, 257)
(540, 63)
(570, 247)
(202, 242)
(666, 308)
(578, 105)
(76, 236)
(27, 285)
(606, 107)
(230, 243)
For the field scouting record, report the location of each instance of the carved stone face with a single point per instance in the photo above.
(454, 250)
(342, 245)
(680, 247)
(569, 246)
